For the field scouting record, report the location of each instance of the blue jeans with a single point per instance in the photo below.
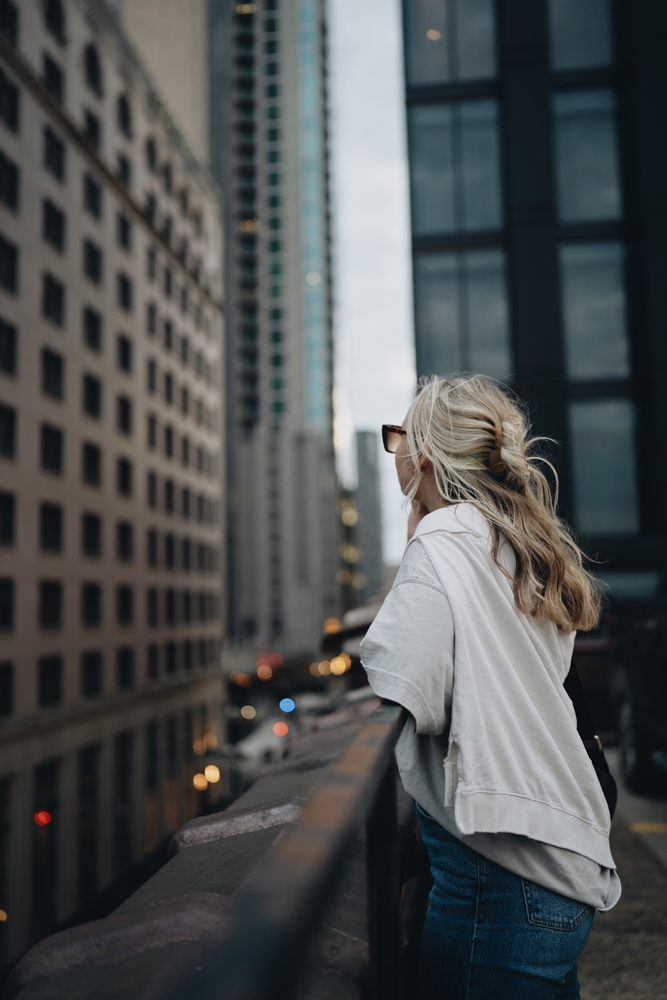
(491, 935)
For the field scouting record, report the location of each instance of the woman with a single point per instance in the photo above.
(475, 639)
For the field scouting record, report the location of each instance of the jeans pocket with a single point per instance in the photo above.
(545, 908)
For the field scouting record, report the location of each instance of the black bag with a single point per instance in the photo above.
(591, 741)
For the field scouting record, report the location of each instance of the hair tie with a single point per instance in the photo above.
(496, 464)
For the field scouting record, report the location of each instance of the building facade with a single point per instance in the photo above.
(110, 464)
(269, 151)
(538, 219)
(369, 510)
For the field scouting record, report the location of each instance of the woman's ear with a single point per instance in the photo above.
(424, 461)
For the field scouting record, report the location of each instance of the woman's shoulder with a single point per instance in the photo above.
(455, 519)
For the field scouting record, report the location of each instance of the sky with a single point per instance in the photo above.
(375, 369)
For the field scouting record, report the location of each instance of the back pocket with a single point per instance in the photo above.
(545, 908)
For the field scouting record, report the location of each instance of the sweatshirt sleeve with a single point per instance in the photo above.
(408, 652)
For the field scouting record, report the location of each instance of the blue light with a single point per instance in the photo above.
(287, 705)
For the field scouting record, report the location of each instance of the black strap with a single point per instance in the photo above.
(589, 738)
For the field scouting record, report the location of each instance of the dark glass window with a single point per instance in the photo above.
(462, 313)
(124, 414)
(604, 466)
(53, 300)
(170, 657)
(51, 527)
(185, 502)
(9, 183)
(153, 664)
(125, 668)
(151, 154)
(201, 558)
(52, 448)
(50, 681)
(169, 496)
(124, 353)
(151, 319)
(92, 129)
(53, 373)
(91, 534)
(8, 340)
(9, 21)
(201, 508)
(151, 265)
(92, 261)
(92, 396)
(152, 606)
(580, 33)
(54, 19)
(168, 282)
(185, 451)
(186, 558)
(450, 41)
(6, 689)
(92, 464)
(54, 153)
(53, 77)
(91, 674)
(151, 547)
(93, 69)
(151, 375)
(169, 441)
(124, 605)
(124, 170)
(168, 335)
(7, 518)
(124, 540)
(124, 477)
(50, 604)
(152, 431)
(124, 115)
(92, 196)
(187, 655)
(9, 266)
(587, 170)
(53, 224)
(151, 490)
(124, 231)
(185, 359)
(150, 208)
(169, 551)
(6, 604)
(170, 606)
(169, 388)
(187, 607)
(124, 292)
(594, 310)
(455, 172)
(88, 821)
(91, 604)
(9, 102)
(92, 329)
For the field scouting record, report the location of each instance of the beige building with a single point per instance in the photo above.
(110, 463)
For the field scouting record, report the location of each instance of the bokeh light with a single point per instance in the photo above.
(281, 728)
(248, 712)
(212, 773)
(264, 672)
(340, 664)
(240, 679)
(42, 818)
(332, 625)
(3, 916)
(324, 668)
(287, 705)
(200, 782)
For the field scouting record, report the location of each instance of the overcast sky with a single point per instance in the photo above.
(372, 281)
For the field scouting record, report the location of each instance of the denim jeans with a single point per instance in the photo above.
(491, 935)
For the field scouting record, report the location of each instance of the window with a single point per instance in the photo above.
(200, 459)
(153, 662)
(169, 551)
(151, 489)
(580, 33)
(124, 477)
(9, 102)
(185, 401)
(185, 503)
(125, 668)
(6, 689)
(462, 313)
(124, 115)
(453, 41)
(91, 604)
(53, 373)
(124, 170)
(91, 535)
(124, 541)
(152, 606)
(8, 339)
(9, 22)
(124, 231)
(150, 208)
(54, 153)
(92, 396)
(124, 605)
(152, 431)
(7, 518)
(124, 353)
(185, 451)
(169, 441)
(594, 312)
(53, 225)
(151, 319)
(92, 196)
(151, 375)
(50, 681)
(170, 657)
(91, 674)
(92, 261)
(168, 335)
(187, 607)
(50, 604)
(124, 292)
(168, 282)
(201, 508)
(151, 547)
(124, 414)
(54, 19)
(186, 557)
(185, 354)
(151, 154)
(92, 69)
(9, 266)
(201, 558)
(50, 527)
(9, 183)
(52, 448)
(92, 329)
(587, 171)
(92, 130)
(53, 77)
(6, 604)
(91, 464)
(169, 496)
(455, 167)
(604, 466)
(170, 606)
(53, 300)
(169, 388)
(151, 264)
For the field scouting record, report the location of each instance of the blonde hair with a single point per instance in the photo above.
(475, 434)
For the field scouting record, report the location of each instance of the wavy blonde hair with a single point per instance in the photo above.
(475, 434)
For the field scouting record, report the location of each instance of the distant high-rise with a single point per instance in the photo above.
(539, 231)
(269, 152)
(369, 510)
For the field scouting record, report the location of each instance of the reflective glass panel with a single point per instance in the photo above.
(587, 173)
(449, 40)
(455, 167)
(593, 305)
(462, 316)
(604, 466)
(580, 33)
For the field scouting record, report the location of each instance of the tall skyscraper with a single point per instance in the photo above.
(110, 463)
(369, 510)
(269, 153)
(539, 211)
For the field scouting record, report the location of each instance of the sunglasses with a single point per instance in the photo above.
(391, 436)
